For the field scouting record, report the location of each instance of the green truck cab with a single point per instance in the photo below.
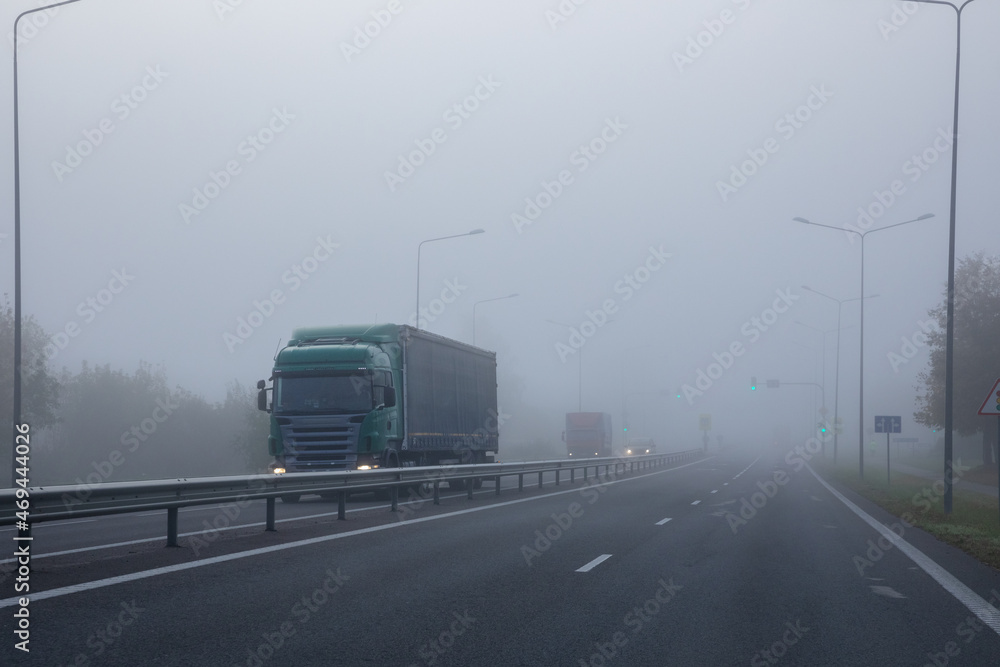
(375, 396)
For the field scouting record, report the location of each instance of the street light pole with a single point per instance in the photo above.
(861, 389)
(16, 412)
(836, 380)
(497, 298)
(949, 354)
(419, 246)
(823, 335)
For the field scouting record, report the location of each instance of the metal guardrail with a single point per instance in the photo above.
(51, 503)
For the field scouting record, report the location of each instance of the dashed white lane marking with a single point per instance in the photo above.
(135, 576)
(594, 563)
(660, 523)
(696, 502)
(887, 591)
(748, 467)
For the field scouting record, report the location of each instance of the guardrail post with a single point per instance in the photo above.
(437, 492)
(270, 514)
(520, 483)
(394, 494)
(470, 484)
(342, 506)
(572, 475)
(498, 484)
(539, 480)
(557, 476)
(585, 473)
(171, 526)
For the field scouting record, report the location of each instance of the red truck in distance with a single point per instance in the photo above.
(588, 434)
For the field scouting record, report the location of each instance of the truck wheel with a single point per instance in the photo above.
(456, 484)
(478, 483)
(290, 498)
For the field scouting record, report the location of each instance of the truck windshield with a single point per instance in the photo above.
(323, 394)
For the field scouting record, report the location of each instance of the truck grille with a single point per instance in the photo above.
(323, 442)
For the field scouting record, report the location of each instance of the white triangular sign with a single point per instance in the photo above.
(991, 406)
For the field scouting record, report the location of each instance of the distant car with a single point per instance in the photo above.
(640, 446)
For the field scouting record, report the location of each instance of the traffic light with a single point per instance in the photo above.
(822, 427)
(753, 383)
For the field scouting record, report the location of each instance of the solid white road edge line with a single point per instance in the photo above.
(983, 610)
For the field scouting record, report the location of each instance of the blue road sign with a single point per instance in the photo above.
(885, 424)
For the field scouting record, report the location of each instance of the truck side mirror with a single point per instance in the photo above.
(390, 397)
(261, 396)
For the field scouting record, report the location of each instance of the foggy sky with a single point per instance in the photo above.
(300, 119)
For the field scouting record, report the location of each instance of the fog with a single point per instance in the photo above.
(227, 171)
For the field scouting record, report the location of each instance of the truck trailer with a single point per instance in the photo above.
(587, 434)
(376, 396)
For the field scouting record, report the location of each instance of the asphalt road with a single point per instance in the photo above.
(734, 560)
